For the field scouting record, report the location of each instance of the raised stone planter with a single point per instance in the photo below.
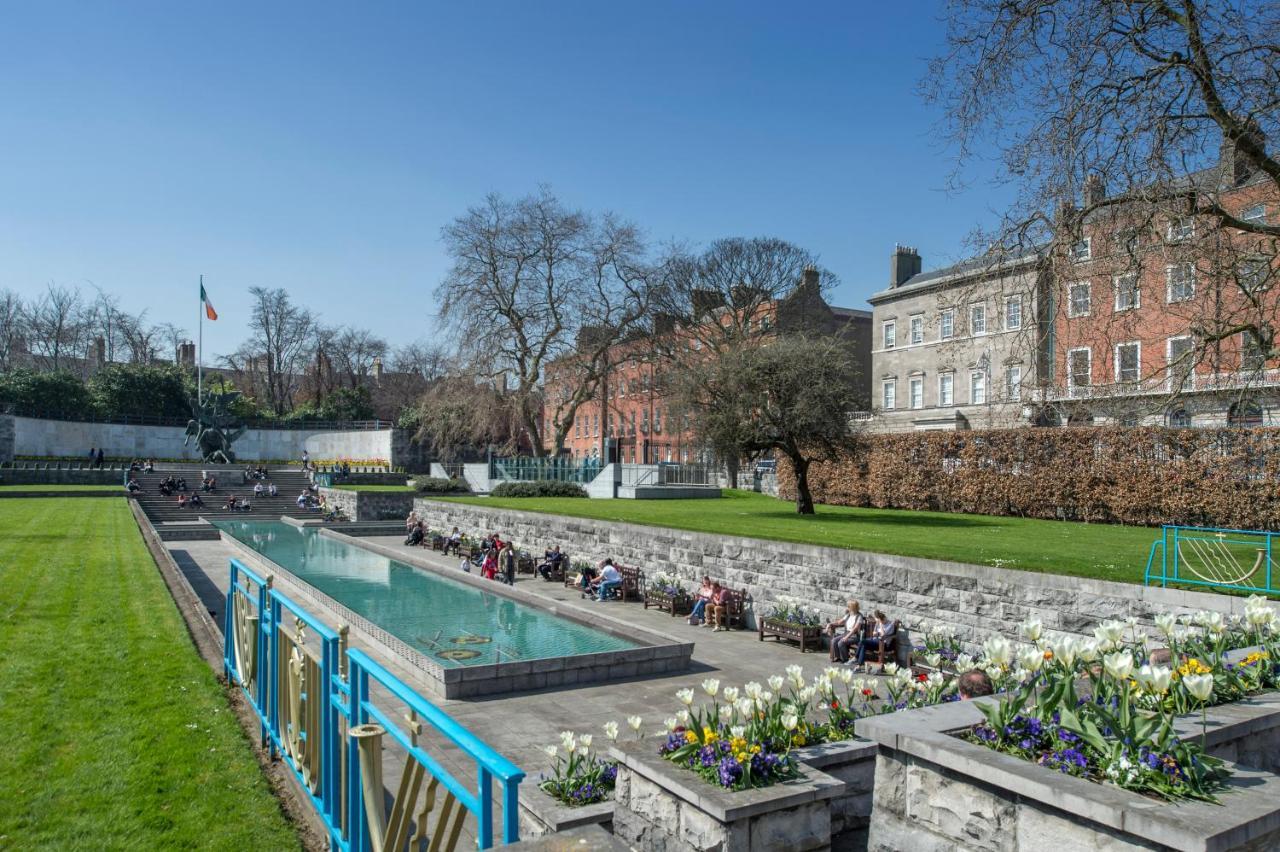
(804, 636)
(934, 791)
(664, 807)
(680, 604)
(370, 505)
(541, 815)
(852, 762)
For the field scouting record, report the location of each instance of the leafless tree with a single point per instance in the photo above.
(58, 324)
(460, 416)
(1140, 126)
(13, 327)
(352, 352)
(276, 355)
(428, 361)
(140, 339)
(173, 336)
(535, 283)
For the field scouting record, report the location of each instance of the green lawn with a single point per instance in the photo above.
(397, 489)
(51, 487)
(113, 732)
(1086, 550)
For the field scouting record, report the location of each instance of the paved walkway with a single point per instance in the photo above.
(518, 725)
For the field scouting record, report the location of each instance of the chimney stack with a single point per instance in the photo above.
(377, 369)
(187, 354)
(1095, 190)
(99, 352)
(904, 263)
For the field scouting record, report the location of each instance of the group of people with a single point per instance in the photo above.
(190, 501)
(260, 490)
(237, 504)
(96, 457)
(853, 635)
(251, 473)
(600, 581)
(710, 605)
(171, 485)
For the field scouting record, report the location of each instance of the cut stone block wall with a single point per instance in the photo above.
(974, 599)
(6, 438)
(370, 505)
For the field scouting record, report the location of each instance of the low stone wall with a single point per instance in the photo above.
(541, 815)
(974, 599)
(54, 476)
(370, 505)
(6, 439)
(936, 791)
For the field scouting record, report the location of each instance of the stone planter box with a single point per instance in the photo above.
(541, 815)
(935, 791)
(805, 636)
(680, 604)
(661, 806)
(852, 762)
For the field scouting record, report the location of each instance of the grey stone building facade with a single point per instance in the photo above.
(959, 347)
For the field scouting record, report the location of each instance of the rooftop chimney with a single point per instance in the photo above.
(904, 264)
(377, 369)
(1095, 190)
(99, 352)
(811, 279)
(187, 354)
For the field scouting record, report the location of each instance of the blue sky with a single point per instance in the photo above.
(320, 147)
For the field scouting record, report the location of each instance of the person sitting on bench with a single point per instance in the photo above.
(881, 635)
(415, 535)
(609, 581)
(551, 561)
(705, 593)
(853, 623)
(454, 542)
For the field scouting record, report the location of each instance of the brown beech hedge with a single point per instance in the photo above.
(1147, 476)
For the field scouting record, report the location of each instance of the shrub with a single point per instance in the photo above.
(548, 488)
(438, 485)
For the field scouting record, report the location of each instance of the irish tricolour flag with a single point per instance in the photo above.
(208, 306)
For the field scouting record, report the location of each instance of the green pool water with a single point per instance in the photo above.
(453, 623)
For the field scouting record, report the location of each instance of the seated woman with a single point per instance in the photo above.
(610, 580)
(701, 599)
(182, 501)
(852, 624)
(415, 536)
(881, 634)
(454, 542)
(411, 521)
(231, 503)
(194, 500)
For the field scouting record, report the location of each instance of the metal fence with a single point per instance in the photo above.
(324, 710)
(670, 473)
(1241, 560)
(157, 420)
(543, 468)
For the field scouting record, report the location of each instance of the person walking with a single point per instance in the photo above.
(507, 563)
(101, 456)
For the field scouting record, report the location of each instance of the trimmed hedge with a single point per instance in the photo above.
(545, 488)
(439, 485)
(1140, 476)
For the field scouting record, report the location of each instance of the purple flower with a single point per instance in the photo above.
(729, 772)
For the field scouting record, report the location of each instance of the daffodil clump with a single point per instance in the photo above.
(1103, 707)
(579, 776)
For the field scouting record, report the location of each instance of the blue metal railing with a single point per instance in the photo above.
(1214, 557)
(259, 650)
(537, 469)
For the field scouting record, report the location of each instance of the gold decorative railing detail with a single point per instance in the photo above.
(246, 640)
(301, 701)
(391, 832)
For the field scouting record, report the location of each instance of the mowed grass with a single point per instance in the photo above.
(1086, 550)
(114, 734)
(397, 489)
(50, 487)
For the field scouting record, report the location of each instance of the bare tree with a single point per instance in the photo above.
(532, 280)
(13, 324)
(275, 357)
(352, 352)
(173, 336)
(58, 326)
(141, 341)
(460, 416)
(428, 361)
(1135, 133)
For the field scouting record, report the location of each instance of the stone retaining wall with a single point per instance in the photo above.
(55, 476)
(974, 599)
(370, 505)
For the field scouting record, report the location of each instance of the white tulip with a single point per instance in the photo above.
(1031, 629)
(805, 695)
(726, 712)
(685, 697)
(551, 750)
(737, 731)
(891, 668)
(671, 723)
(766, 697)
(683, 716)
(775, 682)
(1166, 622)
(1155, 679)
(730, 694)
(998, 651)
(610, 730)
(1200, 686)
(789, 721)
(964, 662)
(585, 740)
(1088, 649)
(568, 739)
(634, 722)
(1031, 659)
(583, 751)
(933, 660)
(1064, 650)
(846, 675)
(746, 707)
(1118, 666)
(753, 689)
(711, 686)
(1109, 634)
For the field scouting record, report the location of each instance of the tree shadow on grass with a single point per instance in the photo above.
(938, 521)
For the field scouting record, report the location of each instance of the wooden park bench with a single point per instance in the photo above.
(731, 611)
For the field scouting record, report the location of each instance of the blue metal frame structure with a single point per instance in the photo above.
(347, 699)
(1166, 563)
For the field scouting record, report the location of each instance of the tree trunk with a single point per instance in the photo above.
(731, 464)
(804, 500)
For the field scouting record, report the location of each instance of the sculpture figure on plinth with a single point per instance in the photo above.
(214, 428)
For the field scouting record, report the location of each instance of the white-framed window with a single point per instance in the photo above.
(1079, 299)
(1181, 282)
(1013, 382)
(1251, 357)
(915, 389)
(595, 425)
(1126, 287)
(1128, 362)
(577, 428)
(946, 389)
(1080, 367)
(1082, 251)
(1012, 312)
(889, 394)
(978, 319)
(977, 387)
(1253, 274)
(1182, 229)
(889, 333)
(917, 329)
(1178, 355)
(947, 324)
(1255, 213)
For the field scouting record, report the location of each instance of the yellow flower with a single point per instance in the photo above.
(797, 739)
(690, 737)
(740, 756)
(738, 744)
(708, 736)
(755, 749)
(1193, 667)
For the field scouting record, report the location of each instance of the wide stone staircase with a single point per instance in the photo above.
(165, 513)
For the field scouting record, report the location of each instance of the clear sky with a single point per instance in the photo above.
(320, 147)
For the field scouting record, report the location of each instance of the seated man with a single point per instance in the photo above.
(719, 607)
(231, 503)
(258, 490)
(148, 467)
(881, 634)
(852, 624)
(454, 542)
(302, 500)
(272, 490)
(181, 483)
(133, 485)
(610, 580)
(194, 500)
(415, 535)
(551, 561)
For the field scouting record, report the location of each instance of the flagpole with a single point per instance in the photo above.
(200, 351)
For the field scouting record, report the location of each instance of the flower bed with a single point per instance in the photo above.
(665, 592)
(579, 776)
(791, 619)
